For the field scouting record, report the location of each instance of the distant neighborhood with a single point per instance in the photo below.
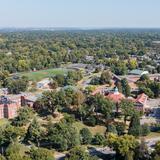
(94, 95)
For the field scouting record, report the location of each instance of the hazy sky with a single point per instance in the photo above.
(80, 13)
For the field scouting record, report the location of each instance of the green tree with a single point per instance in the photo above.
(41, 154)
(85, 136)
(60, 79)
(15, 86)
(78, 153)
(13, 133)
(63, 136)
(132, 64)
(34, 132)
(126, 90)
(156, 153)
(25, 114)
(123, 145)
(23, 65)
(119, 86)
(111, 128)
(3, 78)
(119, 68)
(127, 108)
(3, 139)
(99, 139)
(16, 151)
(83, 111)
(134, 127)
(54, 84)
(144, 78)
(100, 104)
(49, 102)
(2, 157)
(106, 77)
(158, 68)
(78, 99)
(120, 127)
(145, 130)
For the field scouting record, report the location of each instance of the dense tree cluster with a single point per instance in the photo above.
(69, 79)
(149, 87)
(14, 84)
(24, 51)
(105, 78)
(33, 135)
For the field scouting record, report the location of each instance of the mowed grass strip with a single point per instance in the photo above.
(94, 130)
(39, 75)
(4, 122)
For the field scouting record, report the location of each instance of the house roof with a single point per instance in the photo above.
(97, 91)
(138, 72)
(142, 98)
(116, 96)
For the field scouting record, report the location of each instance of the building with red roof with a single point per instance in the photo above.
(141, 101)
(115, 96)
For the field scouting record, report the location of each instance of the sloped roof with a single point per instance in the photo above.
(137, 72)
(142, 98)
(116, 97)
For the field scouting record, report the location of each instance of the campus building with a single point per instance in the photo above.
(10, 104)
(140, 102)
(9, 107)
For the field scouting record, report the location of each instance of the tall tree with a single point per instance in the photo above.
(25, 114)
(78, 153)
(106, 77)
(85, 136)
(134, 127)
(126, 90)
(127, 108)
(34, 132)
(123, 145)
(41, 154)
(63, 136)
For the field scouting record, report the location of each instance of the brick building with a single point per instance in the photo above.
(140, 102)
(9, 107)
(10, 104)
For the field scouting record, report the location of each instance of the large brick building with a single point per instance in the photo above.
(140, 102)
(10, 104)
(9, 107)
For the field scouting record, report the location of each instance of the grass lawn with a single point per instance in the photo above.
(152, 135)
(94, 130)
(3, 122)
(39, 75)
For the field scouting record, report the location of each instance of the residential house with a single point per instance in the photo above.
(138, 72)
(141, 102)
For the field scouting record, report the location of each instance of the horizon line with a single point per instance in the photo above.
(82, 28)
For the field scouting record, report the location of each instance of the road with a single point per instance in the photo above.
(59, 156)
(86, 80)
(151, 142)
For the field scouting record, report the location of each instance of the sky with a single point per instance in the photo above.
(80, 13)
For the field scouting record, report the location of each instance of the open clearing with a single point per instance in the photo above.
(4, 122)
(94, 130)
(39, 75)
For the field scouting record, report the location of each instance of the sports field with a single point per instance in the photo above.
(39, 75)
